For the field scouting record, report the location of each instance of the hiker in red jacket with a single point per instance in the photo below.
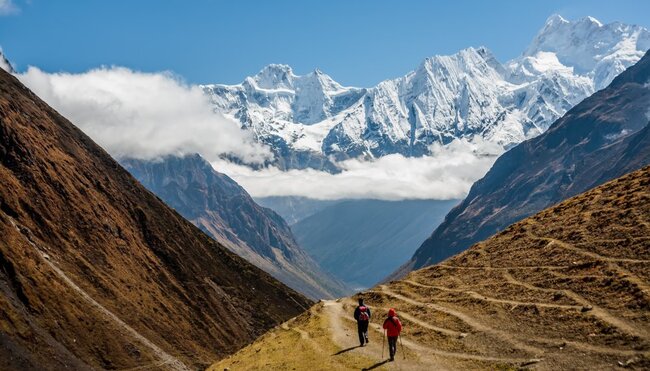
(393, 327)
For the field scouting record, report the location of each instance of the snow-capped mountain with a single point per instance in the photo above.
(312, 121)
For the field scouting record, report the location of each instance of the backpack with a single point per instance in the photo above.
(363, 314)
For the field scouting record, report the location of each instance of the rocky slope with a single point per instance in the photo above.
(312, 121)
(568, 288)
(224, 210)
(603, 137)
(362, 241)
(97, 273)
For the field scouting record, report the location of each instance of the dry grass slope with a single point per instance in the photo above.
(567, 288)
(97, 273)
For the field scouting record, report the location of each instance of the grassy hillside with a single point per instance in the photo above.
(568, 288)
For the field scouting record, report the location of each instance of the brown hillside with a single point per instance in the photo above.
(568, 288)
(96, 272)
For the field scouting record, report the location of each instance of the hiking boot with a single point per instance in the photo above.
(367, 341)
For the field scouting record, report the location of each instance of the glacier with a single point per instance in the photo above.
(311, 121)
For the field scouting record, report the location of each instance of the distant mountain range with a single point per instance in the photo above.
(97, 273)
(603, 137)
(224, 210)
(362, 241)
(312, 121)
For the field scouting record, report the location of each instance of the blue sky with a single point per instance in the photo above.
(356, 42)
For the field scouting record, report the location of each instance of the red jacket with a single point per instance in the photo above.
(393, 326)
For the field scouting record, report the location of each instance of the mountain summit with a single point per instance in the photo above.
(311, 121)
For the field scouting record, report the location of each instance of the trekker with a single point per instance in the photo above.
(362, 315)
(393, 328)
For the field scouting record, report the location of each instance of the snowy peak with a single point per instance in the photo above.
(281, 77)
(274, 76)
(554, 20)
(275, 100)
(587, 43)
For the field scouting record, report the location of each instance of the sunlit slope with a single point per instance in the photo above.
(567, 288)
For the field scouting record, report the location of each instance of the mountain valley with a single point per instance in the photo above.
(224, 210)
(567, 288)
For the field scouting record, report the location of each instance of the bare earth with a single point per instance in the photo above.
(567, 288)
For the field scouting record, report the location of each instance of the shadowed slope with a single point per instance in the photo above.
(96, 272)
(224, 210)
(568, 288)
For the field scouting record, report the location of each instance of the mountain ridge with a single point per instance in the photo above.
(223, 209)
(445, 98)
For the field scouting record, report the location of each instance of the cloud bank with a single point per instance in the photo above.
(143, 115)
(149, 115)
(447, 174)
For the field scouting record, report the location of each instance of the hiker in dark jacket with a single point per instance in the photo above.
(393, 328)
(362, 315)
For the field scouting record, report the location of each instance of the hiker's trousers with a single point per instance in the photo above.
(362, 327)
(392, 346)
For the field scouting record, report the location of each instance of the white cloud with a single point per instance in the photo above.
(447, 174)
(148, 115)
(143, 115)
(8, 7)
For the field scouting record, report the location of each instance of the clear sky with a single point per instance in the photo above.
(357, 42)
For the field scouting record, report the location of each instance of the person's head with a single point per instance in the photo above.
(391, 312)
(360, 301)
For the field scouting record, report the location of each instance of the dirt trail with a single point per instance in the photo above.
(590, 254)
(479, 296)
(165, 358)
(468, 320)
(346, 337)
(489, 268)
(427, 357)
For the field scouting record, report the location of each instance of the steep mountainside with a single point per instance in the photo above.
(566, 289)
(224, 210)
(603, 137)
(362, 241)
(310, 120)
(97, 273)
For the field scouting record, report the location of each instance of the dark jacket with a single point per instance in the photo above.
(357, 312)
